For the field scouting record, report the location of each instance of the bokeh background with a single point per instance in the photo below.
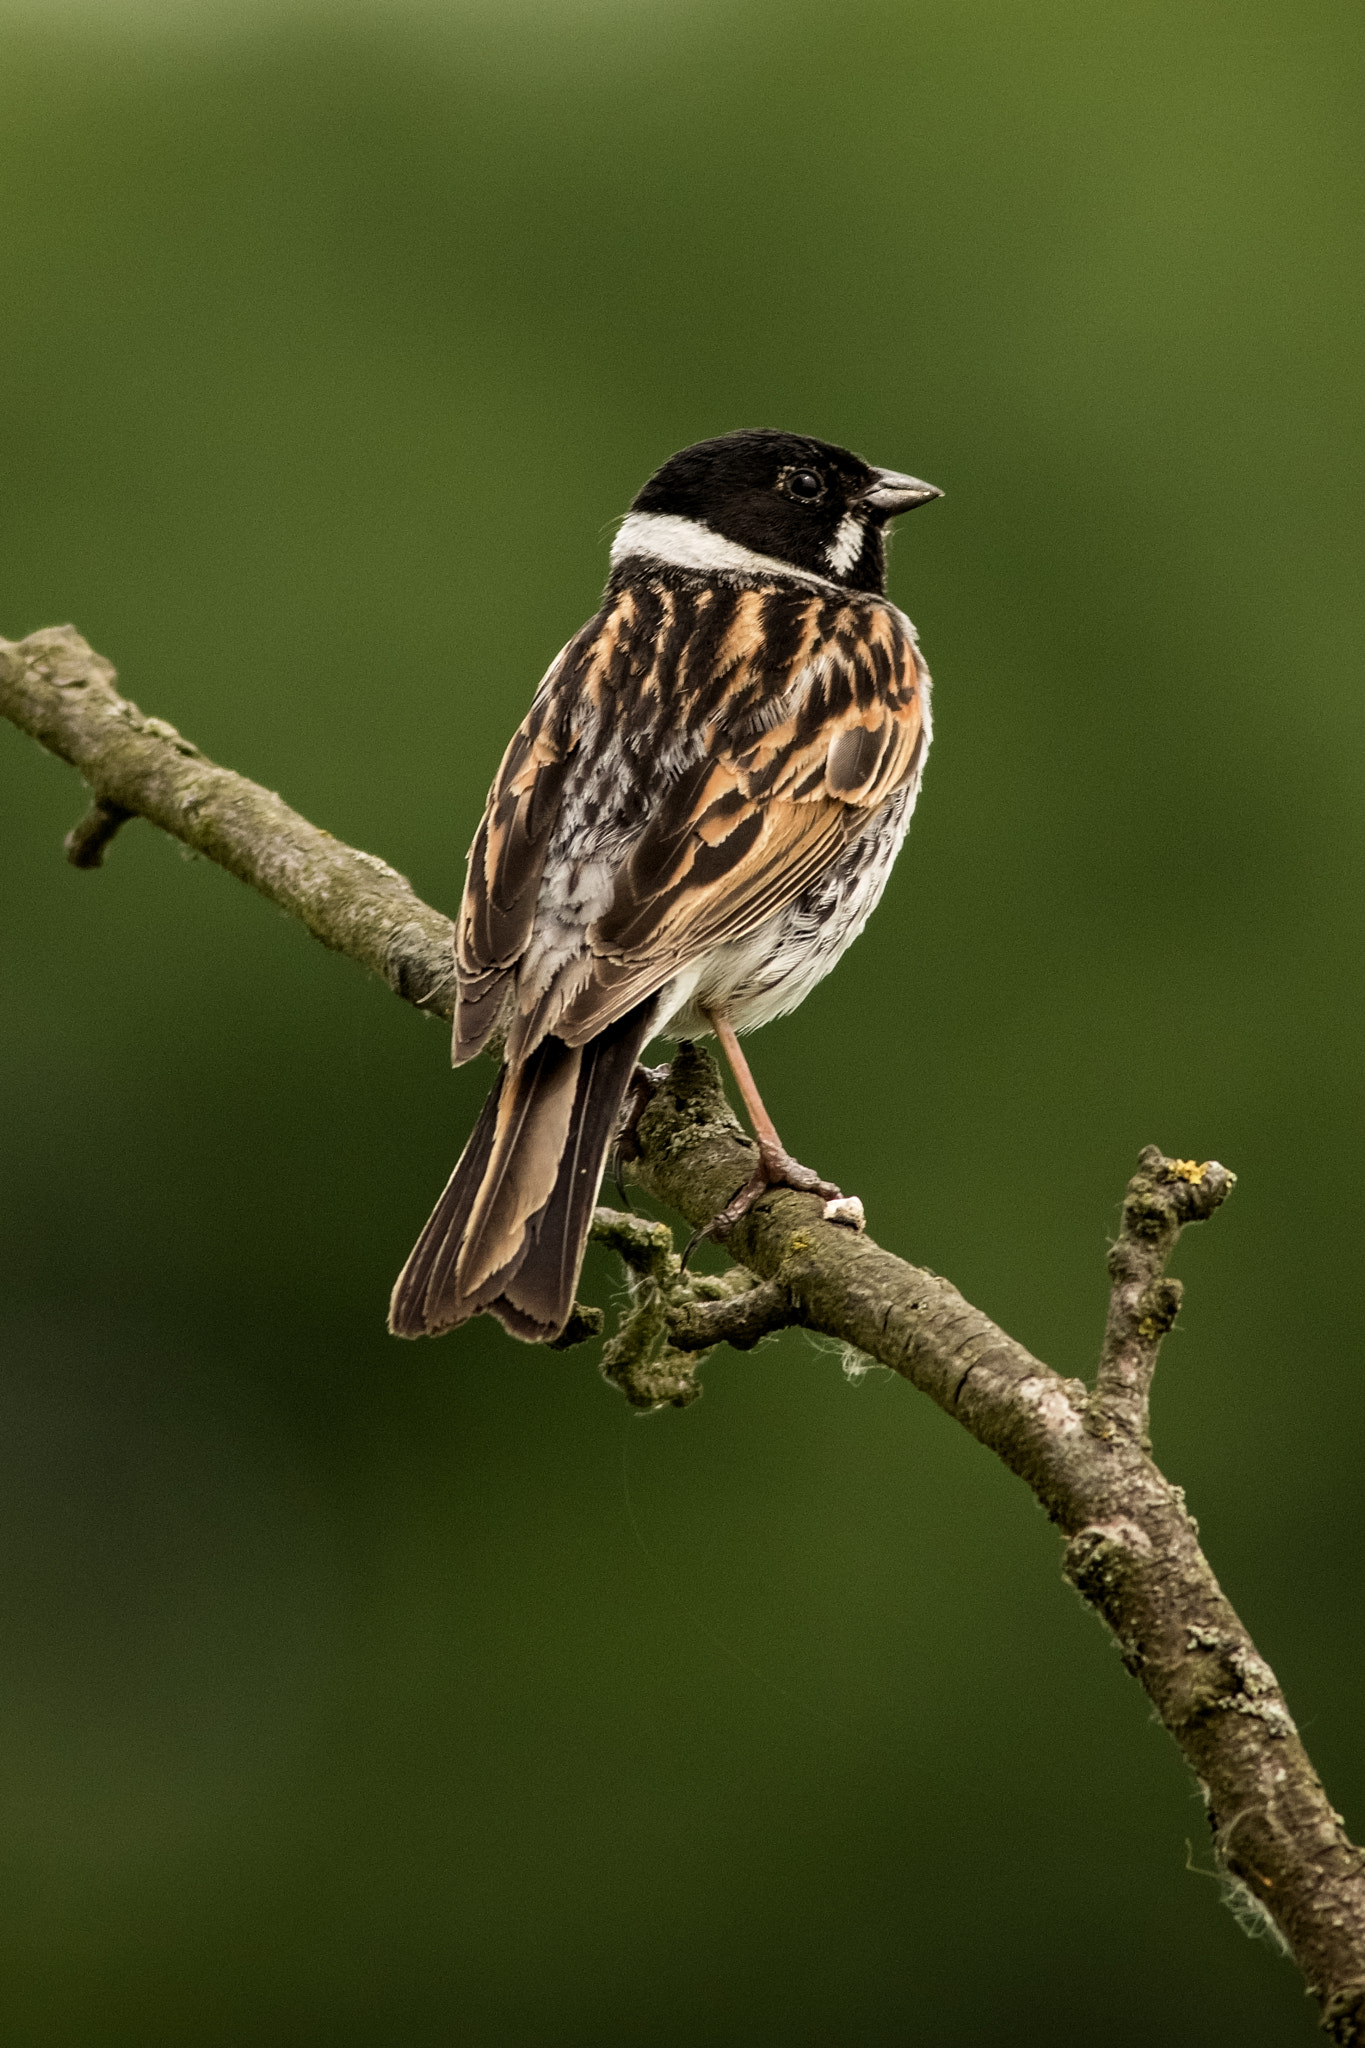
(359, 1694)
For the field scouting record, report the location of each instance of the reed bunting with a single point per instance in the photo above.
(696, 817)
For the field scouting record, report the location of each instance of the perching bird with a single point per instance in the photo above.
(696, 817)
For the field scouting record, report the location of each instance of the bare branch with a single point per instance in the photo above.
(1131, 1548)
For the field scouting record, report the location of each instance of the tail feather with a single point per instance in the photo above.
(535, 1115)
(537, 1297)
(508, 1234)
(430, 1268)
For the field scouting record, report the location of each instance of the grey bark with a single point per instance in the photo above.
(1131, 1547)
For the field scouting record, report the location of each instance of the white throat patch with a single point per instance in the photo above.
(846, 546)
(687, 544)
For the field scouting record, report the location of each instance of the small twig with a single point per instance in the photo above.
(88, 838)
(741, 1322)
(653, 1357)
(639, 1360)
(645, 1246)
(1163, 1195)
(585, 1323)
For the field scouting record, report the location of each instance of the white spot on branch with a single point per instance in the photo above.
(1052, 1402)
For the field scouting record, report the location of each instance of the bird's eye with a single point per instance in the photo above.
(805, 484)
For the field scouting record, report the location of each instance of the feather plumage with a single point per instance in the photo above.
(714, 775)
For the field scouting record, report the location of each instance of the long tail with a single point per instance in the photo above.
(507, 1236)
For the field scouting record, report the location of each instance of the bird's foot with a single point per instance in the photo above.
(777, 1169)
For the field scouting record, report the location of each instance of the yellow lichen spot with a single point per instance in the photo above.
(1186, 1169)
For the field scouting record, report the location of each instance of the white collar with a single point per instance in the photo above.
(687, 544)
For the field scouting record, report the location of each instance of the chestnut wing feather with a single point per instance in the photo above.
(507, 859)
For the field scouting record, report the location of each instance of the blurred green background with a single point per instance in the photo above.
(363, 1694)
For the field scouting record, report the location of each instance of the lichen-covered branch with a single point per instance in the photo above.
(1132, 1550)
(663, 1335)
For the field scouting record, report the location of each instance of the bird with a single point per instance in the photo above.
(694, 820)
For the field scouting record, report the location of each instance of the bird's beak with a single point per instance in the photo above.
(893, 493)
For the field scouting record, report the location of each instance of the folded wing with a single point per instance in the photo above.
(778, 769)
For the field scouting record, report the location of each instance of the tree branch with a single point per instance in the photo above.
(56, 688)
(1132, 1549)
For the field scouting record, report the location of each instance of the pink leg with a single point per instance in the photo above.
(776, 1168)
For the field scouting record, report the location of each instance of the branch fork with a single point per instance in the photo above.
(675, 1318)
(1162, 1197)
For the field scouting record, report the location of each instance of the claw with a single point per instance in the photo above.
(776, 1169)
(697, 1237)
